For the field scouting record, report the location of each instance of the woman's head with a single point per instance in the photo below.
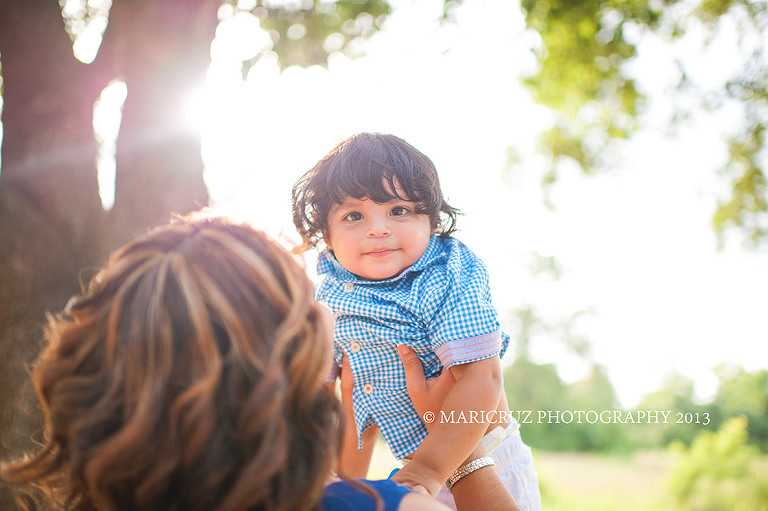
(188, 375)
(376, 166)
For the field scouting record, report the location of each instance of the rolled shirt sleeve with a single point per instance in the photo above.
(462, 322)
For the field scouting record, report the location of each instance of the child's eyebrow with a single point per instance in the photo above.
(342, 206)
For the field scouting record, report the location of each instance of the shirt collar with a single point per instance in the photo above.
(327, 263)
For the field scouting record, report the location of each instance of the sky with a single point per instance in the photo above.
(639, 261)
(634, 243)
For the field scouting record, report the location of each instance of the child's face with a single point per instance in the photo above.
(377, 241)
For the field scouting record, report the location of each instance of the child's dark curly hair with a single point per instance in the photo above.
(376, 166)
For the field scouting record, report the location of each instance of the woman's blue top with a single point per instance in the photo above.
(342, 496)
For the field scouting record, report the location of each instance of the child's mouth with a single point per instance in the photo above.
(379, 252)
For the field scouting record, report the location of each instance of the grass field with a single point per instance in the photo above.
(584, 482)
(593, 482)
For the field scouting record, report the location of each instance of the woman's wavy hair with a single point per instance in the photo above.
(372, 165)
(189, 375)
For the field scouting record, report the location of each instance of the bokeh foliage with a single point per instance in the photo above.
(538, 388)
(745, 393)
(676, 394)
(720, 471)
(584, 46)
(538, 397)
(583, 78)
(306, 32)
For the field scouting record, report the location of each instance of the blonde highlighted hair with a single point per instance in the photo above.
(189, 375)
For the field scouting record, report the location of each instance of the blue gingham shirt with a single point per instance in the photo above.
(441, 307)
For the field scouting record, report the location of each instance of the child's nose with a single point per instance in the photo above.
(378, 227)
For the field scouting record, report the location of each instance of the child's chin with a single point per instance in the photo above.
(380, 275)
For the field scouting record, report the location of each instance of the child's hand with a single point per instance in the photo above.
(427, 394)
(418, 477)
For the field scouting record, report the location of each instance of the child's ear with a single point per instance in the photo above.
(327, 241)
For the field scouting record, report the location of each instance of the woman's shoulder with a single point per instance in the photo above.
(357, 496)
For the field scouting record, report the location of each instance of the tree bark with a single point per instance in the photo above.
(49, 202)
(162, 51)
(53, 230)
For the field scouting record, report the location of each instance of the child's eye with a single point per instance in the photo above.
(353, 217)
(399, 211)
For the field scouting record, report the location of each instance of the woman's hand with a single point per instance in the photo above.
(427, 394)
(480, 489)
(352, 462)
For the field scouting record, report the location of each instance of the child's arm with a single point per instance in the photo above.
(353, 464)
(475, 394)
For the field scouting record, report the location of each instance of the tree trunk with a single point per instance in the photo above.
(162, 51)
(49, 202)
(52, 225)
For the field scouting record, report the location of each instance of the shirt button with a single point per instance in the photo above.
(354, 347)
(349, 287)
(368, 388)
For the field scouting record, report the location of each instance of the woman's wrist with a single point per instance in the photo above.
(417, 473)
(477, 452)
(468, 468)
